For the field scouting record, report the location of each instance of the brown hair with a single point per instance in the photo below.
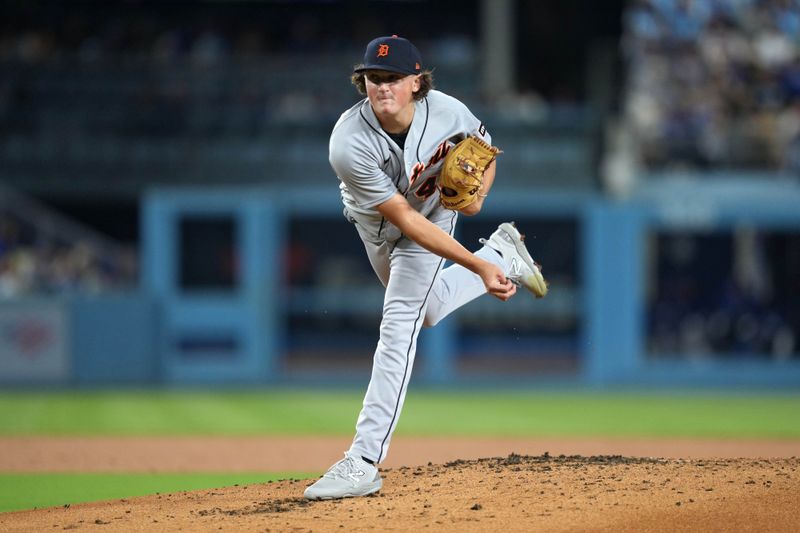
(425, 83)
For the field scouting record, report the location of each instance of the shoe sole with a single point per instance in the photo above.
(372, 490)
(534, 282)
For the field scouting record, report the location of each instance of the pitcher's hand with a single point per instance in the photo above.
(496, 282)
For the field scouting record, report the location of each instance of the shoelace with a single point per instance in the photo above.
(344, 468)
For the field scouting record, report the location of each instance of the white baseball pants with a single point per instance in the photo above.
(418, 292)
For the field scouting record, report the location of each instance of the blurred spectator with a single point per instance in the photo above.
(714, 83)
(34, 262)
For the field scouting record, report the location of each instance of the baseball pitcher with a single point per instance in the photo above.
(409, 160)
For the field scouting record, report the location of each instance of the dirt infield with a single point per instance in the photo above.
(543, 492)
(315, 454)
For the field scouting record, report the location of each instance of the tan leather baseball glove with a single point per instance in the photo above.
(462, 172)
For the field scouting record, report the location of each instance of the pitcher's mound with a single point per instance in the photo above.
(514, 493)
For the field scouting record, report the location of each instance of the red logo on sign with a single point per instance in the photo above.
(30, 336)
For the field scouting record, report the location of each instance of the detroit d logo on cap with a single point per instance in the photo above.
(383, 50)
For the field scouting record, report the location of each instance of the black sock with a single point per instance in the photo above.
(370, 461)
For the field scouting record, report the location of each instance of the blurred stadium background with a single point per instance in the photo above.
(168, 216)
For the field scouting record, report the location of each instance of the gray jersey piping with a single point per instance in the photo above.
(424, 127)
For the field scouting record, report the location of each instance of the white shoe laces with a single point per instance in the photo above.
(346, 469)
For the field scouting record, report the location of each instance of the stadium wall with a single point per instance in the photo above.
(165, 334)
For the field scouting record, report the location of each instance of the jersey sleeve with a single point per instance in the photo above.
(358, 169)
(473, 126)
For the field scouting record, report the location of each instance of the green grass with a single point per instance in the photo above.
(28, 491)
(301, 412)
(612, 415)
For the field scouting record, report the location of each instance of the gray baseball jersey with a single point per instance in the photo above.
(372, 168)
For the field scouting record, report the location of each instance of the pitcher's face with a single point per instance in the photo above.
(389, 92)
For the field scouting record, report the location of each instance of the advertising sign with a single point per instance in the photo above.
(33, 342)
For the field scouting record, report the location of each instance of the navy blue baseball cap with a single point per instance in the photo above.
(394, 54)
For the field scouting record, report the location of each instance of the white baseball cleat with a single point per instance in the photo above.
(523, 270)
(352, 476)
